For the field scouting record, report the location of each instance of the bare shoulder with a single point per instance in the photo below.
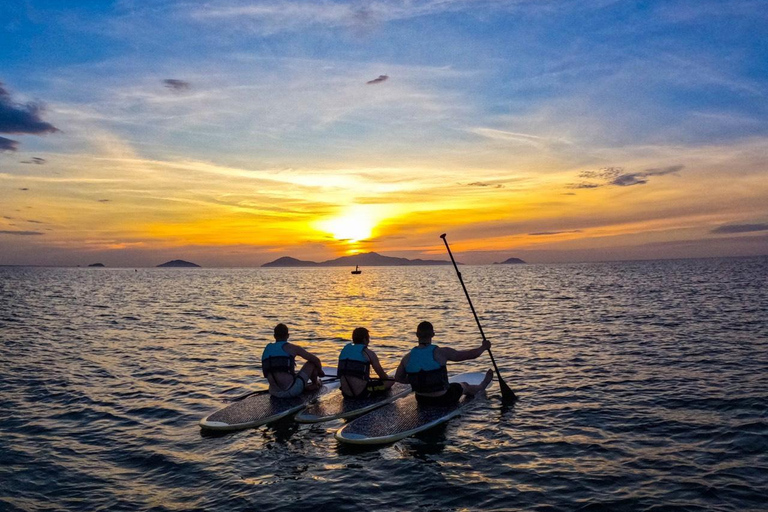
(444, 354)
(292, 349)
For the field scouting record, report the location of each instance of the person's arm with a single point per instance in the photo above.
(376, 365)
(400, 375)
(296, 350)
(450, 354)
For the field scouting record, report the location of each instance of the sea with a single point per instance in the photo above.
(643, 386)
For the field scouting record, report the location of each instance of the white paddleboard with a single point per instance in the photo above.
(403, 417)
(263, 408)
(334, 406)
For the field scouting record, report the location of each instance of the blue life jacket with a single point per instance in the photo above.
(353, 362)
(276, 359)
(424, 373)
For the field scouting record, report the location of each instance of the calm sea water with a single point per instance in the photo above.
(643, 385)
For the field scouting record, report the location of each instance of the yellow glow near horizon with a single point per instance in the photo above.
(355, 224)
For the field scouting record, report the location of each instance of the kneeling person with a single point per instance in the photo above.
(278, 361)
(355, 362)
(424, 368)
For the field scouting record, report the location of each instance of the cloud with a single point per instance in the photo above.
(381, 78)
(104, 200)
(484, 184)
(640, 178)
(24, 189)
(545, 233)
(536, 141)
(177, 85)
(35, 221)
(21, 233)
(34, 160)
(18, 118)
(740, 228)
(8, 144)
(618, 177)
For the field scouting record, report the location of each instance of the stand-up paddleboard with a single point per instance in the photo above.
(335, 406)
(263, 408)
(404, 417)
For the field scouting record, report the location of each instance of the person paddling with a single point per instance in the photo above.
(424, 368)
(278, 361)
(355, 363)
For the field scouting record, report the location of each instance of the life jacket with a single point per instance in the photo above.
(353, 362)
(275, 359)
(424, 373)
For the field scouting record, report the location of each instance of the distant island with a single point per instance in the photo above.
(96, 265)
(179, 263)
(510, 261)
(369, 259)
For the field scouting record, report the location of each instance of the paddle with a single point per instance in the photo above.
(507, 395)
(264, 391)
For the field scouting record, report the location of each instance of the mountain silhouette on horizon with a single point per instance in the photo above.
(369, 259)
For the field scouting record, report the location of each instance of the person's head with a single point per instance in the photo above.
(361, 336)
(281, 332)
(425, 332)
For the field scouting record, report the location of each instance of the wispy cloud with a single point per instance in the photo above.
(740, 228)
(381, 78)
(270, 17)
(619, 177)
(485, 184)
(36, 160)
(547, 233)
(21, 233)
(537, 141)
(176, 85)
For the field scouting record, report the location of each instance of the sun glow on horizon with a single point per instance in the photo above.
(354, 224)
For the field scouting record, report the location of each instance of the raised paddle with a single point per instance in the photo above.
(507, 395)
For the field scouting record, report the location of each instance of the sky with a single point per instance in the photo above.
(230, 133)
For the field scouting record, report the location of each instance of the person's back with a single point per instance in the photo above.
(355, 362)
(278, 363)
(424, 367)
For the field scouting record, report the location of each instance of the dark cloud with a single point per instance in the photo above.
(584, 185)
(640, 178)
(104, 200)
(34, 160)
(18, 118)
(484, 184)
(35, 221)
(8, 145)
(177, 85)
(544, 233)
(24, 189)
(6, 217)
(618, 177)
(21, 233)
(740, 228)
(382, 78)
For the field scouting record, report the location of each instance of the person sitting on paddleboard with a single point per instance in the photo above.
(278, 361)
(424, 368)
(355, 363)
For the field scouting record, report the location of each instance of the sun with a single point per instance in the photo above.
(353, 225)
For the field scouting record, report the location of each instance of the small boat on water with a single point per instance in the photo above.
(357, 270)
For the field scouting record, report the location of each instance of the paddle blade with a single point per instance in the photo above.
(507, 395)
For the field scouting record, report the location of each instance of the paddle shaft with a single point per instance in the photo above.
(506, 391)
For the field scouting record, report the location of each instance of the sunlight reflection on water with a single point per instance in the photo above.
(643, 384)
